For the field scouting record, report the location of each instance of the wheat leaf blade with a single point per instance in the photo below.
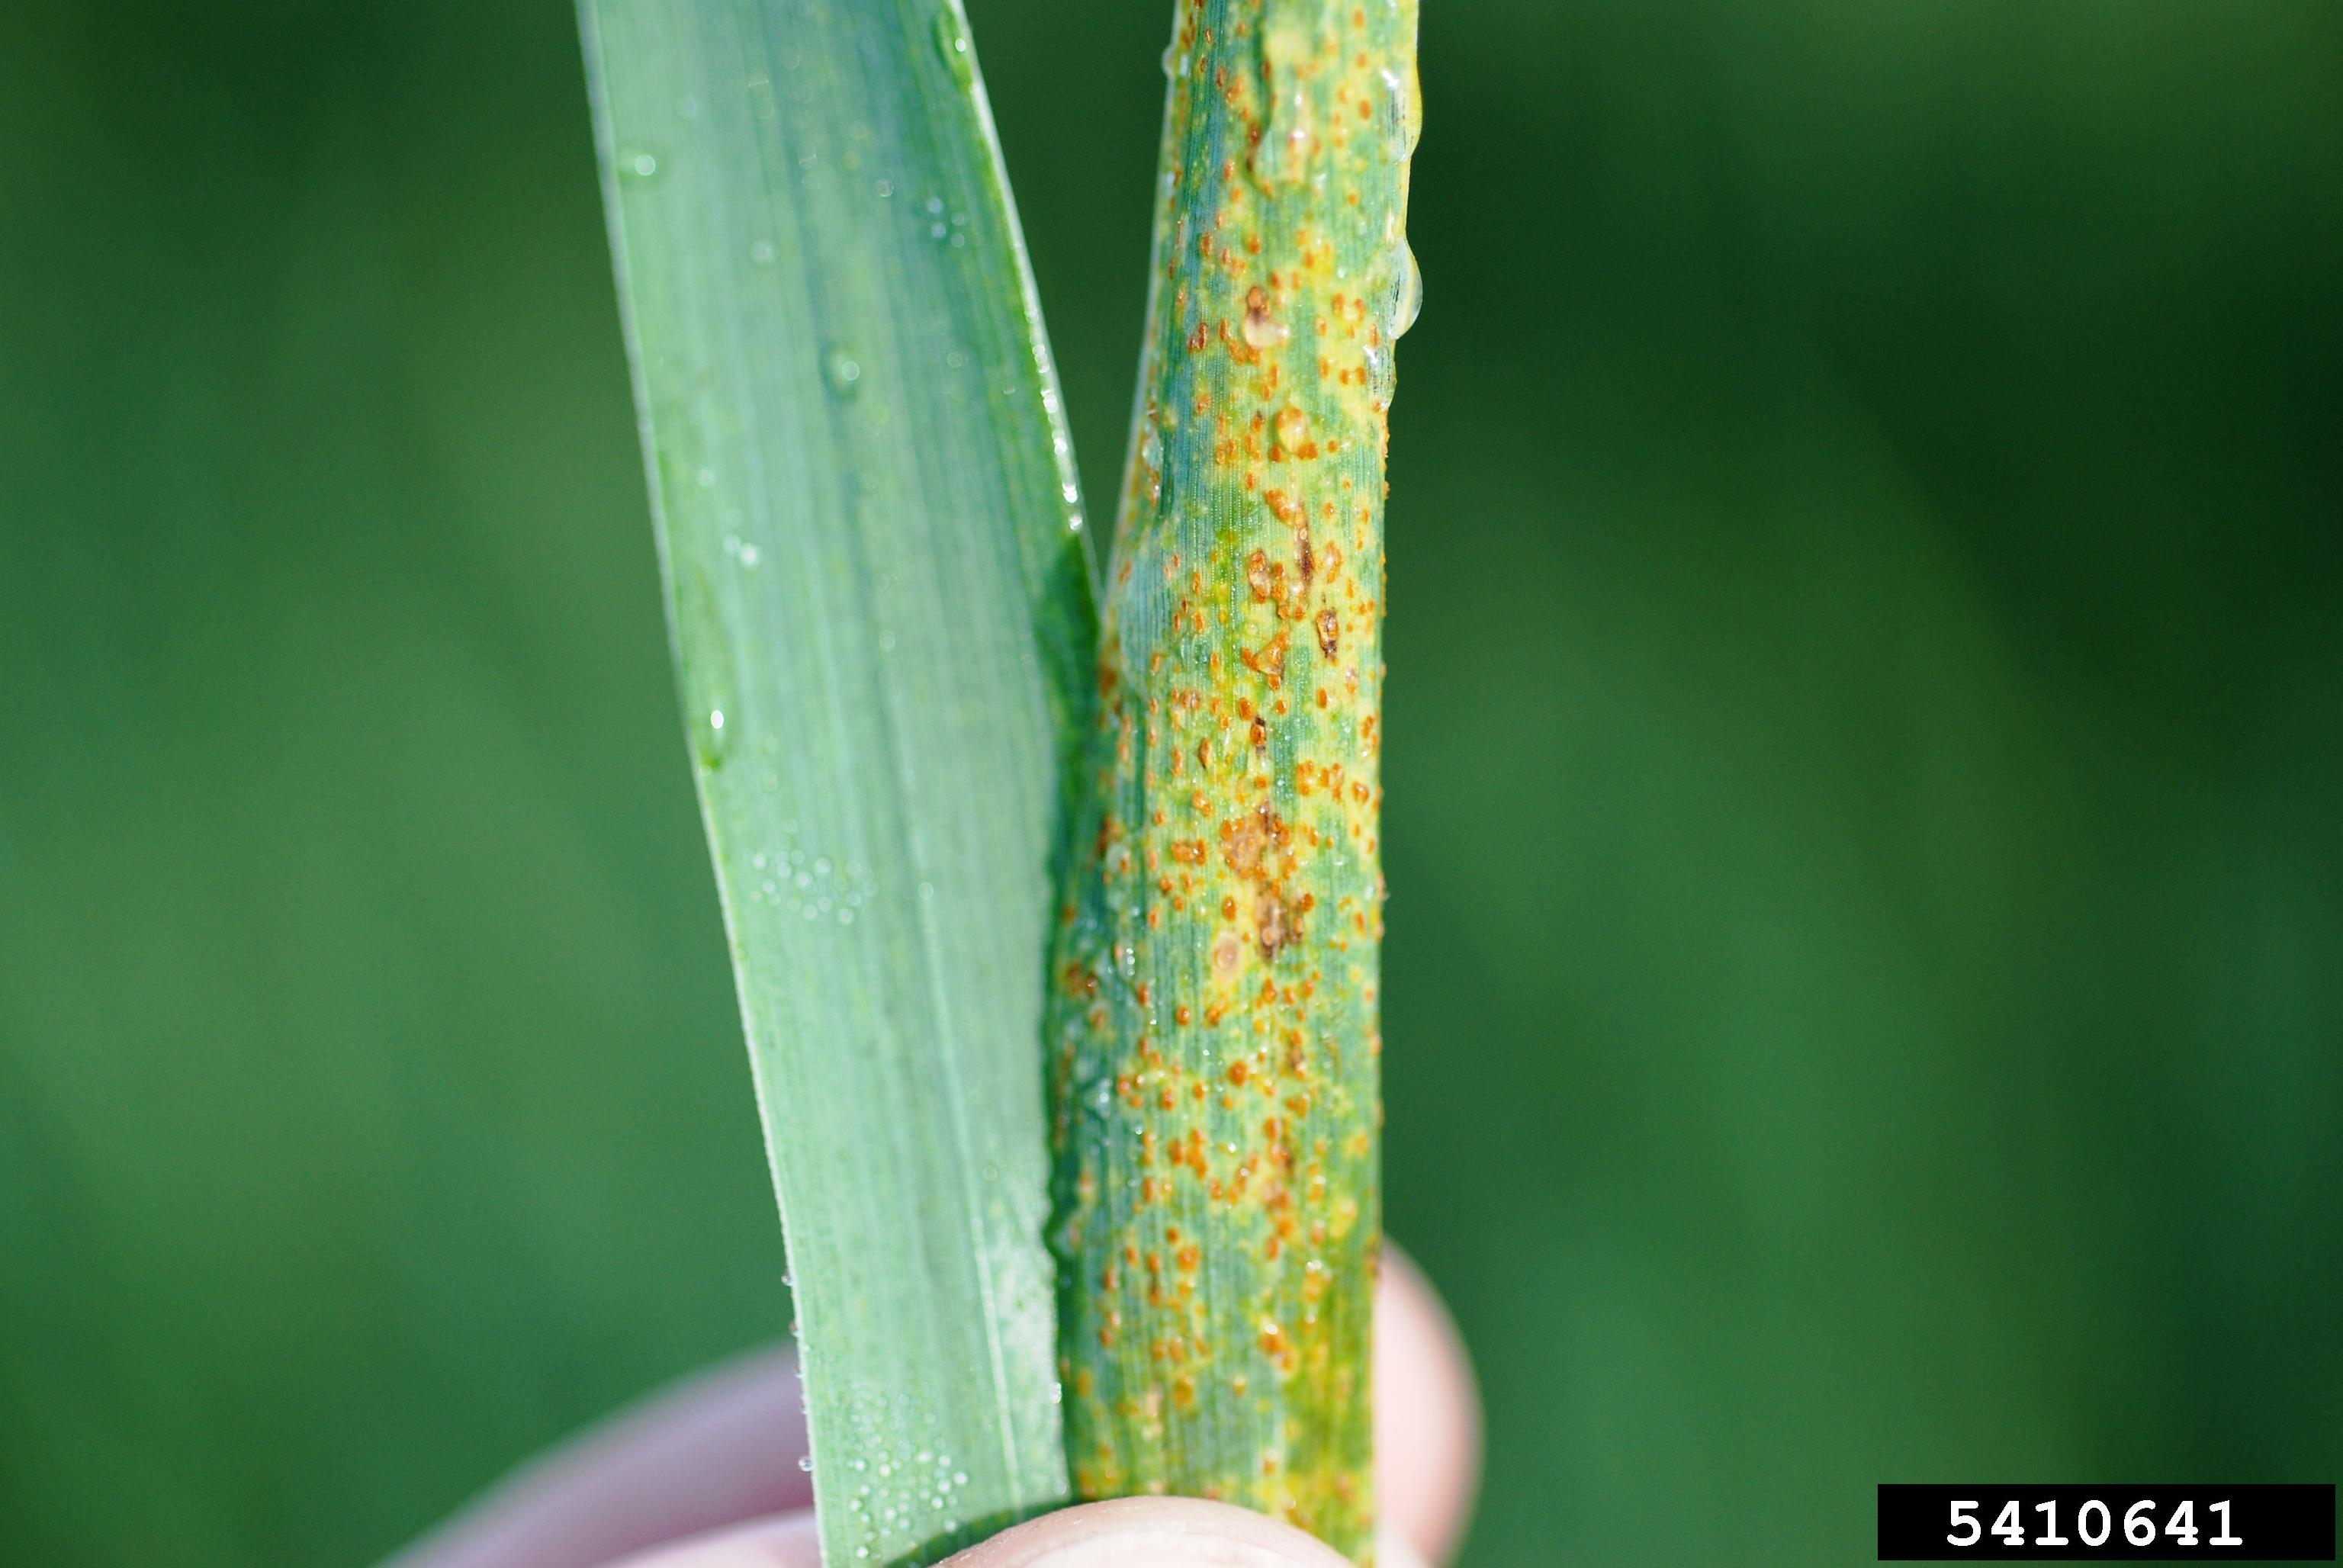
(1213, 1033)
(869, 534)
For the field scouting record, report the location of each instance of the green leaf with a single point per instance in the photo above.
(870, 536)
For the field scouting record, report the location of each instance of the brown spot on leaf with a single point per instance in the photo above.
(1268, 659)
(1259, 576)
(1247, 841)
(1281, 924)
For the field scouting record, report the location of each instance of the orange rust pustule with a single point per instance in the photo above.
(1213, 1033)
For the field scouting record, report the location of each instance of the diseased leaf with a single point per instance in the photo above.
(869, 532)
(1213, 1027)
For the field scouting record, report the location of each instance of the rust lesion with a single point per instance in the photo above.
(1279, 922)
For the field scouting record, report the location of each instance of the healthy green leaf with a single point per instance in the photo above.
(870, 536)
(1213, 1018)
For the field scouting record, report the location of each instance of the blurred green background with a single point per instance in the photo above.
(1865, 966)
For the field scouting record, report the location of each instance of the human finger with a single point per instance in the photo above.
(726, 1446)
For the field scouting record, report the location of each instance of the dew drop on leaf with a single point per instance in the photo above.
(1261, 329)
(1283, 155)
(1408, 302)
(952, 44)
(843, 372)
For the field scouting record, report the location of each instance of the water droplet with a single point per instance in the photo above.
(762, 253)
(843, 371)
(643, 164)
(1150, 463)
(1282, 154)
(1408, 300)
(886, 188)
(805, 1462)
(952, 42)
(1406, 91)
(750, 555)
(1261, 329)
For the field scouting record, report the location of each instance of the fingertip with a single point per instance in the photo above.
(789, 1540)
(1427, 1412)
(1394, 1549)
(1151, 1532)
(711, 1451)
